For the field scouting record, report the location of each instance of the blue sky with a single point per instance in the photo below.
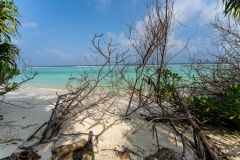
(57, 32)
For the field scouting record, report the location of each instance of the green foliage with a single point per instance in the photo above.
(224, 110)
(8, 51)
(8, 20)
(8, 66)
(169, 83)
(232, 7)
(165, 84)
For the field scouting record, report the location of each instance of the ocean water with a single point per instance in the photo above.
(57, 77)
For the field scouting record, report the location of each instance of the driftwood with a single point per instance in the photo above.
(164, 154)
(82, 150)
(70, 106)
(202, 141)
(123, 155)
(27, 154)
(64, 151)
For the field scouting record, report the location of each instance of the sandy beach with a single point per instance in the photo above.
(29, 108)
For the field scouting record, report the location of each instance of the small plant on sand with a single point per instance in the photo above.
(164, 84)
(220, 110)
(169, 83)
(215, 88)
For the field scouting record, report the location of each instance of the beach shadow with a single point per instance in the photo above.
(113, 133)
(24, 111)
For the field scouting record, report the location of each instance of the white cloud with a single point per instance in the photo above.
(187, 9)
(54, 54)
(59, 54)
(124, 40)
(53, 57)
(30, 24)
(175, 43)
(121, 38)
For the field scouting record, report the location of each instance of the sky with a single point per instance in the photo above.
(57, 32)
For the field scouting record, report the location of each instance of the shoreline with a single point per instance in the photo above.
(99, 65)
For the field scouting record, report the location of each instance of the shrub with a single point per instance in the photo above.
(164, 84)
(223, 110)
(169, 82)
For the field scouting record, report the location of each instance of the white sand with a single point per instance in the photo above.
(122, 134)
(17, 120)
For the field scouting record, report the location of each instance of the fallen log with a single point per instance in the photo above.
(123, 155)
(28, 153)
(66, 149)
(82, 150)
(202, 143)
(164, 154)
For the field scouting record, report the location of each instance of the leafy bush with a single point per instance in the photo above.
(169, 83)
(164, 84)
(223, 110)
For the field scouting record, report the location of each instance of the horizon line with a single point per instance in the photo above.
(102, 65)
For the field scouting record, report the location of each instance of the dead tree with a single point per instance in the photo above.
(26, 153)
(82, 97)
(154, 86)
(82, 149)
(214, 79)
(158, 94)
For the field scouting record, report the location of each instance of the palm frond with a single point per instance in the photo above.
(9, 53)
(232, 7)
(9, 23)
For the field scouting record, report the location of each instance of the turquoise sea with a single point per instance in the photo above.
(57, 77)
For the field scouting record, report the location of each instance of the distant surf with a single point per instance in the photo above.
(58, 76)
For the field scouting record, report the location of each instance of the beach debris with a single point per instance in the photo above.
(164, 154)
(204, 146)
(28, 125)
(27, 153)
(12, 141)
(81, 150)
(69, 106)
(125, 154)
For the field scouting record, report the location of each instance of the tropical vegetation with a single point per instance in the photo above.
(9, 52)
(232, 7)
